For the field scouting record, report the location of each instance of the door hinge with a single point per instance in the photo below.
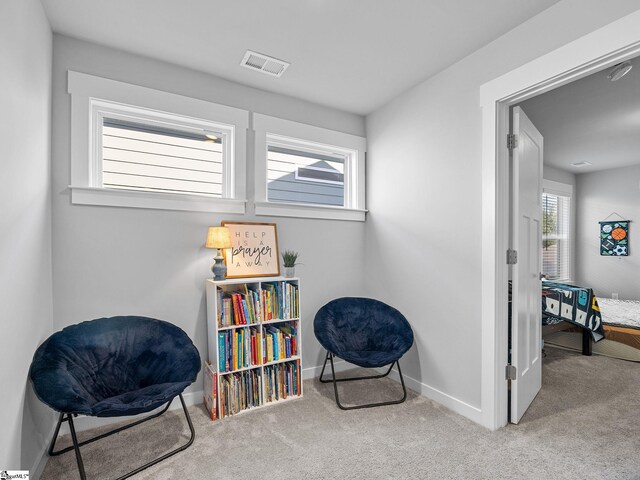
(512, 257)
(512, 141)
(511, 372)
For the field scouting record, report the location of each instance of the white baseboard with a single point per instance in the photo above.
(452, 403)
(313, 372)
(458, 406)
(41, 461)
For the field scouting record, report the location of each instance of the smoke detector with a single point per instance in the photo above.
(619, 71)
(264, 63)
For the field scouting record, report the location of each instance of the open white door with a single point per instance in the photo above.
(526, 235)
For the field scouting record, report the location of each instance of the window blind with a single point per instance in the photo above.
(556, 237)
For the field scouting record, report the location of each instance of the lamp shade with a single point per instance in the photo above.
(218, 237)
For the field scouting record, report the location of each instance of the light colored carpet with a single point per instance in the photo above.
(584, 424)
(610, 348)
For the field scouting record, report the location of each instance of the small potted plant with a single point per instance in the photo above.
(289, 260)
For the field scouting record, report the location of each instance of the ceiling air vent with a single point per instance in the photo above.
(580, 164)
(263, 63)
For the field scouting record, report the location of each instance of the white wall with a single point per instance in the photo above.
(598, 195)
(25, 225)
(557, 175)
(424, 189)
(114, 261)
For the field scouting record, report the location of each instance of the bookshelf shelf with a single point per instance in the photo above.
(282, 360)
(233, 327)
(254, 344)
(279, 320)
(243, 369)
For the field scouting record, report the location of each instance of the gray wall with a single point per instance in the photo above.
(25, 225)
(110, 261)
(428, 206)
(557, 175)
(598, 195)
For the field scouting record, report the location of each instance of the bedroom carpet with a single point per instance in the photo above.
(584, 424)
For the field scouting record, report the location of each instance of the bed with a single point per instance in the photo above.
(621, 327)
(569, 307)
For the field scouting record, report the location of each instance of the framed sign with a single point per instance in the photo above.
(254, 250)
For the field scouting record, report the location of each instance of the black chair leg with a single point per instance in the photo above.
(335, 381)
(76, 445)
(61, 419)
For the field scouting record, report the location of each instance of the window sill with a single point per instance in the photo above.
(154, 200)
(310, 211)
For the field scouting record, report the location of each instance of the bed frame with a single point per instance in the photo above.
(587, 344)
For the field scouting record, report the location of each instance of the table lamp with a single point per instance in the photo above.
(218, 238)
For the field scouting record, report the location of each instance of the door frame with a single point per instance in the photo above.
(607, 46)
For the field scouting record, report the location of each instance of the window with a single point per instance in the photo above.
(304, 175)
(144, 152)
(153, 149)
(556, 231)
(307, 171)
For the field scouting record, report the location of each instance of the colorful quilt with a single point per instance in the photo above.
(577, 305)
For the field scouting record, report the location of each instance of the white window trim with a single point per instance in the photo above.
(557, 188)
(86, 93)
(565, 190)
(271, 127)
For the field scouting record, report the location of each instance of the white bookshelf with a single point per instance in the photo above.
(270, 379)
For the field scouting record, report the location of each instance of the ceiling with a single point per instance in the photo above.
(352, 55)
(592, 119)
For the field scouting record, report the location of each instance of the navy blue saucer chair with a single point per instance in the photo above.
(365, 332)
(114, 367)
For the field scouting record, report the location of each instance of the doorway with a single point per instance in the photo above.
(603, 48)
(590, 288)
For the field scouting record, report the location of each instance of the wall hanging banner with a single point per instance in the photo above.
(614, 238)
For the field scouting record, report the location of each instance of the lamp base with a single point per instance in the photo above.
(218, 268)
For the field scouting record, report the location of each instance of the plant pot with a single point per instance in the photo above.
(289, 272)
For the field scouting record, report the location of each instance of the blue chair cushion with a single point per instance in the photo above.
(115, 366)
(363, 331)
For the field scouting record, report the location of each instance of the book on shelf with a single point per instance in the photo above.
(210, 390)
(253, 347)
(245, 311)
(222, 352)
(239, 307)
(240, 391)
(282, 381)
(250, 302)
(237, 310)
(235, 363)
